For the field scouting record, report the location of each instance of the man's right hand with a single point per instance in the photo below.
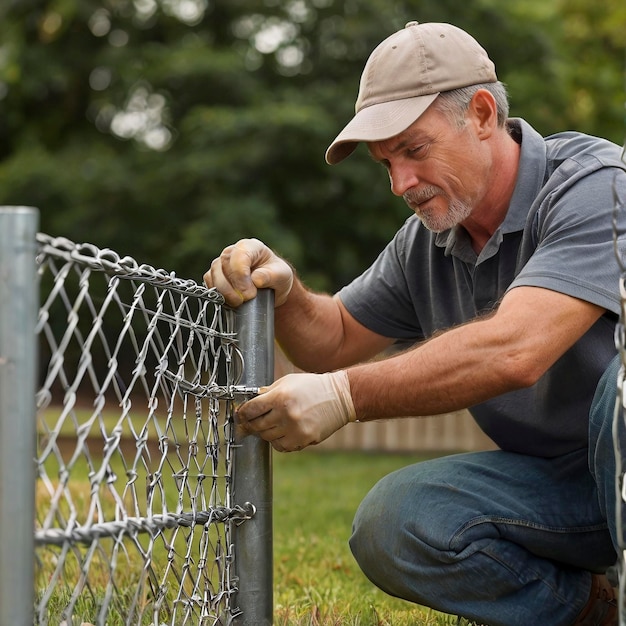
(247, 266)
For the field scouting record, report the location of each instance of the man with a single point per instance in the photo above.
(506, 280)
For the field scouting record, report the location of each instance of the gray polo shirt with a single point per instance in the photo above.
(557, 234)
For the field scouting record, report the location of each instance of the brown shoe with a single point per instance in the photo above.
(601, 608)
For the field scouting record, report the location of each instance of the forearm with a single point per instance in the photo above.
(509, 350)
(315, 331)
(461, 367)
(453, 371)
(309, 329)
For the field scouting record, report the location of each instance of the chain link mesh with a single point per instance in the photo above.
(135, 444)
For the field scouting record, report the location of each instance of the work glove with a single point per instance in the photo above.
(247, 266)
(299, 410)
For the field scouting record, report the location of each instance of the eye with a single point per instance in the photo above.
(419, 151)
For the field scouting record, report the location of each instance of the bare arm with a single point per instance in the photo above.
(314, 330)
(464, 366)
(317, 333)
(511, 349)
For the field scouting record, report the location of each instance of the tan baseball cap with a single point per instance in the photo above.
(404, 75)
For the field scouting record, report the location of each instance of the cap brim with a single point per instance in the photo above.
(376, 123)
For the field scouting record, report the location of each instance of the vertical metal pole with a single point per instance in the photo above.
(18, 316)
(252, 471)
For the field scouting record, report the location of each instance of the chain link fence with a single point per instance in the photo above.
(142, 485)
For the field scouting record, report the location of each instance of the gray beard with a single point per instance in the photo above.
(457, 209)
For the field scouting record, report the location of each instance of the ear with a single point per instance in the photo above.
(483, 113)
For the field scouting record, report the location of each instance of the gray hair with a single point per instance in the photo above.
(455, 103)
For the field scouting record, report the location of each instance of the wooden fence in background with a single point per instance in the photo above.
(452, 432)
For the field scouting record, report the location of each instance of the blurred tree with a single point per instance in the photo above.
(167, 129)
(595, 78)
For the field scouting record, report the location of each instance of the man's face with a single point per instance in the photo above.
(436, 167)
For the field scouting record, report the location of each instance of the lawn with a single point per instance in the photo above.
(317, 581)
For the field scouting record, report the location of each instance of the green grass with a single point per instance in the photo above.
(316, 580)
(109, 419)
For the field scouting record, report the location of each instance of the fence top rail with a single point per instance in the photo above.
(110, 262)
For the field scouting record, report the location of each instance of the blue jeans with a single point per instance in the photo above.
(501, 538)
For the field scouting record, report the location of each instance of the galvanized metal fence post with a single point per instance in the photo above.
(252, 472)
(18, 365)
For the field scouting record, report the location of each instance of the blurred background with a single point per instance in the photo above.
(167, 129)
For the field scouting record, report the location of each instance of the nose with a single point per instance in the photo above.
(401, 178)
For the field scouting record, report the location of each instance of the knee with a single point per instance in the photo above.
(409, 525)
(388, 533)
(374, 532)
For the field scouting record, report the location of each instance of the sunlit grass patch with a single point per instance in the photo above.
(316, 580)
(122, 566)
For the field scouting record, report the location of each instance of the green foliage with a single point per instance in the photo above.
(167, 129)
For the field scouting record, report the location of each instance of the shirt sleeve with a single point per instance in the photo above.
(380, 297)
(570, 247)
